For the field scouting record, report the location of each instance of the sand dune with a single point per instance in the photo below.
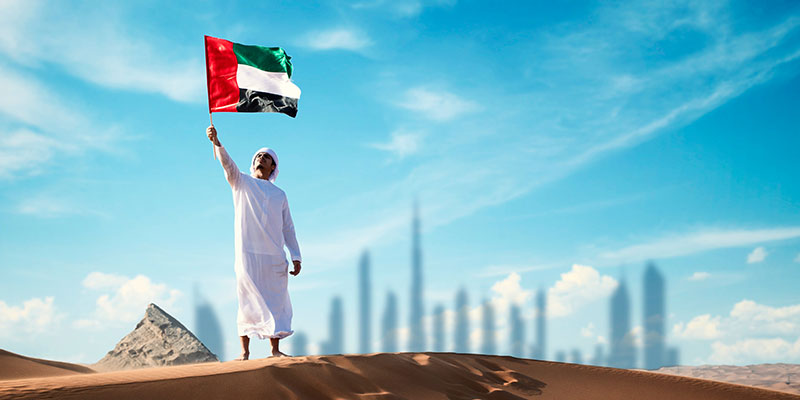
(15, 366)
(783, 377)
(383, 376)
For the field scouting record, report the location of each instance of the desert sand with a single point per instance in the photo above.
(15, 366)
(378, 376)
(783, 377)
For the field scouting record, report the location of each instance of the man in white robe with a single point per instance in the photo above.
(263, 226)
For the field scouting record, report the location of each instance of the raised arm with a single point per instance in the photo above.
(232, 173)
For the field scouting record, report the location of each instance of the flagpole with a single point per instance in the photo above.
(213, 150)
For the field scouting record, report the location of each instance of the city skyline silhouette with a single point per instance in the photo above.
(621, 350)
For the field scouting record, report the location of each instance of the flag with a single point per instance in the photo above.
(245, 78)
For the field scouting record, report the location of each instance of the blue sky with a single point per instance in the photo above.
(551, 148)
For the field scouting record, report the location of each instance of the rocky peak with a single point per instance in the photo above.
(158, 340)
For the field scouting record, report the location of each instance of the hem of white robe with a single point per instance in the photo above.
(255, 333)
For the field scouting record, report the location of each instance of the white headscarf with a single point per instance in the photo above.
(272, 154)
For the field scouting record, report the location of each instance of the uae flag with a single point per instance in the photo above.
(245, 78)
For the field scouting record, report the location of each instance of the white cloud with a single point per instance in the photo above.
(337, 39)
(402, 144)
(508, 291)
(745, 318)
(700, 241)
(699, 276)
(700, 327)
(580, 286)
(126, 298)
(48, 206)
(24, 152)
(748, 327)
(437, 105)
(764, 319)
(36, 315)
(752, 351)
(588, 330)
(97, 45)
(797, 259)
(636, 335)
(757, 255)
(55, 127)
(401, 8)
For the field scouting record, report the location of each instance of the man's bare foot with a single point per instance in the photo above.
(243, 357)
(277, 353)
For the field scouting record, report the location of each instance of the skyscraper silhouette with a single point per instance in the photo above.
(673, 357)
(576, 357)
(389, 325)
(335, 343)
(416, 340)
(438, 328)
(488, 345)
(622, 353)
(599, 358)
(207, 326)
(365, 306)
(517, 339)
(654, 351)
(299, 344)
(541, 327)
(461, 329)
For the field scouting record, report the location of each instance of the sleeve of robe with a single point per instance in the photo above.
(232, 173)
(289, 236)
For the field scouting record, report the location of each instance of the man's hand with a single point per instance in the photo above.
(296, 267)
(211, 132)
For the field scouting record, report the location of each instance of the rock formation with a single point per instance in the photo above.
(158, 340)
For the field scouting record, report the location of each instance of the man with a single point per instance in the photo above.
(263, 226)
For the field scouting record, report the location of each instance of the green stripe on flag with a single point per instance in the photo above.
(270, 59)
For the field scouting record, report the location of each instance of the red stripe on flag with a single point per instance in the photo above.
(221, 66)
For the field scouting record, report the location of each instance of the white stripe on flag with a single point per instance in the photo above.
(262, 81)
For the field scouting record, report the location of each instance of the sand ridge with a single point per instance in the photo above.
(15, 366)
(783, 377)
(383, 376)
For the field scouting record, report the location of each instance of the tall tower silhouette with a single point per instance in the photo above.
(207, 326)
(365, 305)
(389, 325)
(623, 353)
(654, 351)
(299, 344)
(541, 328)
(461, 330)
(488, 345)
(517, 339)
(335, 343)
(576, 357)
(416, 340)
(599, 358)
(438, 328)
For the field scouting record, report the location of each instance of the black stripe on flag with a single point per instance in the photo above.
(254, 101)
